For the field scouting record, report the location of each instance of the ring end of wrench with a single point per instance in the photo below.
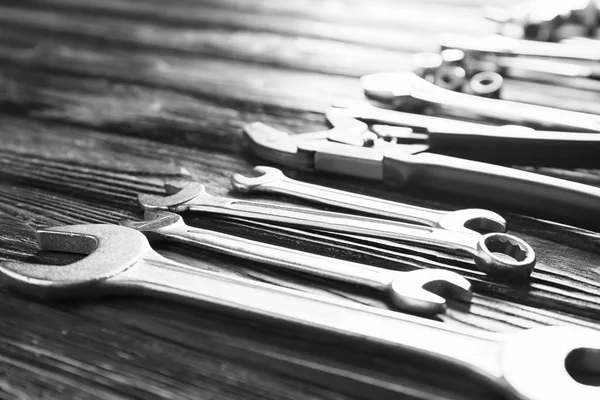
(505, 256)
(553, 363)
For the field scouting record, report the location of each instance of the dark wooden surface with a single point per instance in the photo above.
(101, 100)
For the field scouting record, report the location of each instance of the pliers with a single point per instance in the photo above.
(414, 166)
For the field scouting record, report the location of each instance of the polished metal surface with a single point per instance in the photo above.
(416, 292)
(506, 46)
(533, 364)
(497, 254)
(407, 91)
(415, 167)
(582, 75)
(272, 180)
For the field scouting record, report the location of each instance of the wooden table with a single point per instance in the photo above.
(101, 100)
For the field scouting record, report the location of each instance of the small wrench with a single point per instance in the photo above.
(489, 251)
(533, 364)
(406, 290)
(272, 180)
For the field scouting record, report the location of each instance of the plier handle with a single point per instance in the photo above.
(414, 167)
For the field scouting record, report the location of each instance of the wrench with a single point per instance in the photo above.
(406, 290)
(533, 364)
(497, 254)
(405, 90)
(272, 180)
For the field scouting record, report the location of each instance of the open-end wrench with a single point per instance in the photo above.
(406, 90)
(398, 166)
(534, 364)
(272, 180)
(489, 251)
(411, 291)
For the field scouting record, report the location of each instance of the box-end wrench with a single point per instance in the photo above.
(412, 291)
(533, 364)
(497, 254)
(272, 180)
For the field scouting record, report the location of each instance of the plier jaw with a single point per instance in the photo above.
(334, 151)
(277, 146)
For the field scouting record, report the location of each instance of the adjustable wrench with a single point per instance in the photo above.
(489, 251)
(273, 180)
(405, 289)
(533, 364)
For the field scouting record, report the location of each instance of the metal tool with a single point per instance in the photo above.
(482, 73)
(558, 73)
(272, 180)
(497, 254)
(546, 20)
(411, 291)
(507, 144)
(407, 91)
(533, 364)
(519, 190)
(505, 46)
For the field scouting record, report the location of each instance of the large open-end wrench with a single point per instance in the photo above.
(272, 180)
(534, 364)
(497, 254)
(406, 90)
(411, 291)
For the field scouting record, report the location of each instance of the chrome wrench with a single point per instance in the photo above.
(405, 90)
(272, 180)
(411, 291)
(497, 254)
(533, 364)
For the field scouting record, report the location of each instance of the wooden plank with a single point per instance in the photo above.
(101, 101)
(276, 49)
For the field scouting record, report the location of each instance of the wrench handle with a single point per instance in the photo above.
(528, 192)
(518, 146)
(308, 218)
(281, 257)
(159, 277)
(347, 200)
(469, 106)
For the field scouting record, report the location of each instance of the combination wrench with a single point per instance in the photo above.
(411, 291)
(533, 364)
(497, 254)
(272, 180)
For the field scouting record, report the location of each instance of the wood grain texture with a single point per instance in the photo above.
(100, 101)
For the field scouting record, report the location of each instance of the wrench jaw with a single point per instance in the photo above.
(111, 249)
(245, 184)
(419, 291)
(393, 88)
(553, 363)
(156, 224)
(472, 220)
(505, 256)
(174, 202)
